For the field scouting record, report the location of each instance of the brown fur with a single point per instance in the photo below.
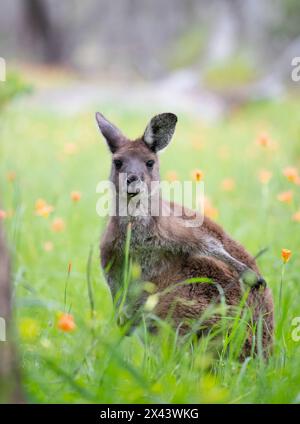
(168, 252)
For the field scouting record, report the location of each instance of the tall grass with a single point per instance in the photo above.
(104, 362)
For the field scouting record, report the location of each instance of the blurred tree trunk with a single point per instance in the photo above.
(10, 385)
(224, 36)
(42, 31)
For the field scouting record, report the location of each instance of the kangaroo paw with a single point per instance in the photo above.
(261, 282)
(250, 278)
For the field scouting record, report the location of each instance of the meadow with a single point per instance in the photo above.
(50, 165)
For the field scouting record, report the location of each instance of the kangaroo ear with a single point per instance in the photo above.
(159, 131)
(114, 138)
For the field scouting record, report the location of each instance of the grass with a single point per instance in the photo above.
(52, 156)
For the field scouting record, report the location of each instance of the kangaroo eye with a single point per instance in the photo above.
(150, 163)
(118, 163)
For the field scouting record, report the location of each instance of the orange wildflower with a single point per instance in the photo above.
(58, 225)
(40, 203)
(42, 208)
(11, 176)
(285, 197)
(198, 175)
(209, 210)
(3, 214)
(171, 176)
(45, 211)
(291, 173)
(228, 184)
(197, 144)
(48, 246)
(296, 216)
(264, 176)
(286, 255)
(264, 140)
(75, 196)
(70, 149)
(66, 322)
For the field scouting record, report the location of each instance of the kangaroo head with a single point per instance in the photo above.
(136, 162)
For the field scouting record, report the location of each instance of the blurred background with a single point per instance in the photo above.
(224, 67)
(204, 57)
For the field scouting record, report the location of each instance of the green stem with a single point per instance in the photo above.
(126, 269)
(280, 289)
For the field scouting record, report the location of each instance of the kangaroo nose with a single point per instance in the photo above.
(131, 178)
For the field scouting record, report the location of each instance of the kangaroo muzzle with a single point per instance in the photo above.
(134, 184)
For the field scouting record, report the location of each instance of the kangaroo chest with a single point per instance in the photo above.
(148, 251)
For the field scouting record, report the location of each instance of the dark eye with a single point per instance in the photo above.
(118, 163)
(150, 163)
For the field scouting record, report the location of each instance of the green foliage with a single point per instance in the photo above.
(13, 87)
(229, 74)
(288, 24)
(53, 155)
(188, 48)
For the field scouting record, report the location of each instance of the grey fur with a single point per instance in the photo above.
(160, 130)
(111, 133)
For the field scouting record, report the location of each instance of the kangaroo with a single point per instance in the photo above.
(169, 252)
